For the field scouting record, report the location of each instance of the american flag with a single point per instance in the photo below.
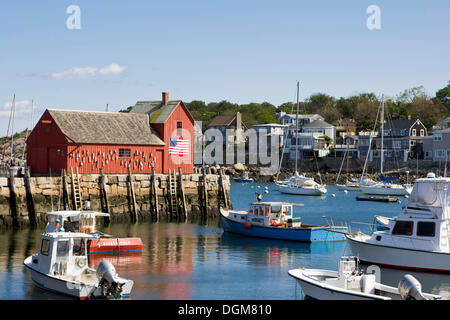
(179, 146)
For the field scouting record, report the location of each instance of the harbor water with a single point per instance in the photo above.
(196, 260)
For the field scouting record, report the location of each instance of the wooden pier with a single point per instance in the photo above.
(377, 198)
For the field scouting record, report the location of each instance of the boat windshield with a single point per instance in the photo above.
(62, 249)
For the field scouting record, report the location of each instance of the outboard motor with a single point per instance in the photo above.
(410, 288)
(109, 280)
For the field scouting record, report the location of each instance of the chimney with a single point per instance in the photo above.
(165, 98)
(409, 117)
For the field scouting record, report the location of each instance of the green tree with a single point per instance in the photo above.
(444, 96)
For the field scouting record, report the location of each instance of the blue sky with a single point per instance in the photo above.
(240, 51)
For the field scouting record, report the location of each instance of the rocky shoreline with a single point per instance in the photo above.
(329, 178)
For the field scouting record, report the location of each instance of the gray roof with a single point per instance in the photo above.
(222, 120)
(318, 124)
(158, 112)
(106, 127)
(399, 124)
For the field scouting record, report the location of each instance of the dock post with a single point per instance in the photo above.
(103, 195)
(65, 195)
(222, 192)
(30, 201)
(182, 197)
(132, 196)
(13, 199)
(205, 194)
(154, 201)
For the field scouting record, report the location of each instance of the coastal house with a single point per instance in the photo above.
(402, 139)
(365, 139)
(175, 125)
(270, 130)
(229, 123)
(322, 128)
(344, 127)
(437, 146)
(442, 125)
(112, 141)
(290, 119)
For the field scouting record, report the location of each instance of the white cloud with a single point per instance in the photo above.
(22, 107)
(84, 72)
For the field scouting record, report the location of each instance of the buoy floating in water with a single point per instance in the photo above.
(333, 195)
(266, 191)
(345, 191)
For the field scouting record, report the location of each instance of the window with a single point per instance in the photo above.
(124, 153)
(414, 132)
(403, 228)
(45, 247)
(437, 137)
(47, 129)
(422, 132)
(78, 247)
(62, 249)
(179, 128)
(426, 229)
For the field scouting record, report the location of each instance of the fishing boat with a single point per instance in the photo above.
(61, 266)
(275, 220)
(300, 184)
(418, 237)
(385, 186)
(85, 222)
(244, 178)
(351, 283)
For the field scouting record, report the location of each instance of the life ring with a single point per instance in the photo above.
(81, 263)
(87, 229)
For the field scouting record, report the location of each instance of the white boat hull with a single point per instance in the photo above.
(342, 187)
(305, 191)
(71, 288)
(320, 291)
(400, 257)
(384, 191)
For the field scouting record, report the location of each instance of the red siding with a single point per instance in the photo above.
(89, 158)
(170, 130)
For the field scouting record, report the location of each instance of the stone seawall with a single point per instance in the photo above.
(46, 194)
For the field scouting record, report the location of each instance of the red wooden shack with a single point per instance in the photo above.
(114, 141)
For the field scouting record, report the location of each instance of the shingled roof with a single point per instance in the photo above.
(222, 120)
(105, 127)
(158, 112)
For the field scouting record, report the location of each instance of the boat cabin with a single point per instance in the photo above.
(268, 214)
(423, 224)
(62, 253)
(73, 221)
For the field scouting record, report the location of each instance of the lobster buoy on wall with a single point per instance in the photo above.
(247, 225)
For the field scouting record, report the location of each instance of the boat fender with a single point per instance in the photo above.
(247, 225)
(410, 288)
(87, 229)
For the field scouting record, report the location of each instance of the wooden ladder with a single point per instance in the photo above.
(173, 194)
(76, 190)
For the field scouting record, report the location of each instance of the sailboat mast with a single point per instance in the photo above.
(12, 129)
(296, 130)
(382, 133)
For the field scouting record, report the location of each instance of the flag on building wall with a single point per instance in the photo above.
(179, 146)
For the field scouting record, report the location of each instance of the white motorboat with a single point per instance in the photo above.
(307, 188)
(349, 283)
(386, 189)
(418, 238)
(61, 266)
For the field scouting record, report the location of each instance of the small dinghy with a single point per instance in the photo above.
(350, 283)
(61, 266)
(244, 178)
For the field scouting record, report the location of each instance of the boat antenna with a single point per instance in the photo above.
(296, 130)
(382, 134)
